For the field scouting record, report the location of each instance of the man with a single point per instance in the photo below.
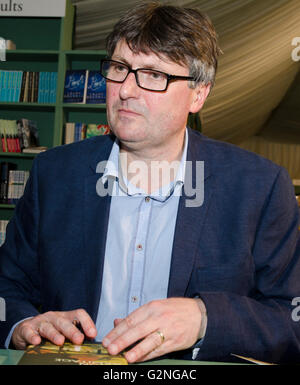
(143, 266)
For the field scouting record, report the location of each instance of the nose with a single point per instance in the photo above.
(129, 88)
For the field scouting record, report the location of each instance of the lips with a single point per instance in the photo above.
(124, 111)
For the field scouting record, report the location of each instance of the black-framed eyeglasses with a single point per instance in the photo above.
(146, 78)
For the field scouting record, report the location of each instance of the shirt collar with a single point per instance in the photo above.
(112, 171)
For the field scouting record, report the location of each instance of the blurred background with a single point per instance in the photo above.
(255, 103)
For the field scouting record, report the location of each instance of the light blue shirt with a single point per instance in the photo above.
(139, 244)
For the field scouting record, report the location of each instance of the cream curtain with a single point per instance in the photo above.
(254, 73)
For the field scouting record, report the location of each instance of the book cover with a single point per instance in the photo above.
(97, 129)
(68, 354)
(27, 133)
(96, 88)
(75, 86)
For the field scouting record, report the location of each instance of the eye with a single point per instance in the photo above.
(153, 75)
(156, 75)
(118, 67)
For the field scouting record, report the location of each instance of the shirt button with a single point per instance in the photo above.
(139, 247)
(147, 199)
(134, 299)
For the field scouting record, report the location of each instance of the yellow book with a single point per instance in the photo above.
(68, 354)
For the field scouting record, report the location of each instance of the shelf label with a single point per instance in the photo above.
(33, 8)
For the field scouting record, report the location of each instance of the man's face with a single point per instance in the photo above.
(148, 120)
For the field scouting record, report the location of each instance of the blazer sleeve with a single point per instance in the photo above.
(19, 265)
(261, 325)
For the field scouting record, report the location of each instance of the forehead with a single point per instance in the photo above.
(124, 54)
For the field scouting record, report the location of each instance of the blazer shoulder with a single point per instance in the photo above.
(228, 157)
(84, 150)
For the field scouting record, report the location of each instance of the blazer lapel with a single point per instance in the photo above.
(190, 221)
(96, 217)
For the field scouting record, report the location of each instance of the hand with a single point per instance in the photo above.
(178, 319)
(55, 327)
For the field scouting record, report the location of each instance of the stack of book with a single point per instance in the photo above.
(28, 86)
(84, 86)
(19, 136)
(3, 224)
(78, 131)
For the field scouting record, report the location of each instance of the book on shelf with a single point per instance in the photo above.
(79, 131)
(5, 168)
(97, 129)
(19, 136)
(84, 87)
(75, 86)
(28, 86)
(68, 354)
(16, 185)
(10, 140)
(96, 88)
(28, 133)
(3, 225)
(35, 150)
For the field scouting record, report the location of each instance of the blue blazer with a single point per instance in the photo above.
(239, 251)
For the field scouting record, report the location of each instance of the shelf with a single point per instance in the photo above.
(26, 105)
(17, 155)
(84, 106)
(7, 206)
(86, 53)
(31, 53)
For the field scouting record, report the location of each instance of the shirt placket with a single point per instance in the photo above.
(139, 255)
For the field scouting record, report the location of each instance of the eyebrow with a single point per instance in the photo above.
(146, 66)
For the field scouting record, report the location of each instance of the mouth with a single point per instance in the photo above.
(126, 112)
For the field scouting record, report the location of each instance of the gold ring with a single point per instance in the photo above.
(162, 337)
(75, 322)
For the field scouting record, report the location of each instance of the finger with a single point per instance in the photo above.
(69, 330)
(151, 346)
(127, 336)
(23, 335)
(136, 317)
(86, 322)
(48, 331)
(117, 321)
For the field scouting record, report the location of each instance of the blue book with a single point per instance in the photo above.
(75, 86)
(5, 86)
(47, 87)
(53, 81)
(41, 88)
(77, 133)
(96, 88)
(10, 85)
(1, 85)
(17, 86)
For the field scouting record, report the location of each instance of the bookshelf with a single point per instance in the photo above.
(45, 44)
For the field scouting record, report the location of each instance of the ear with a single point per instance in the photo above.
(200, 94)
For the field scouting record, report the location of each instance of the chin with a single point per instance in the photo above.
(128, 134)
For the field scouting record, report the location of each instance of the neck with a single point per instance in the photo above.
(151, 170)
